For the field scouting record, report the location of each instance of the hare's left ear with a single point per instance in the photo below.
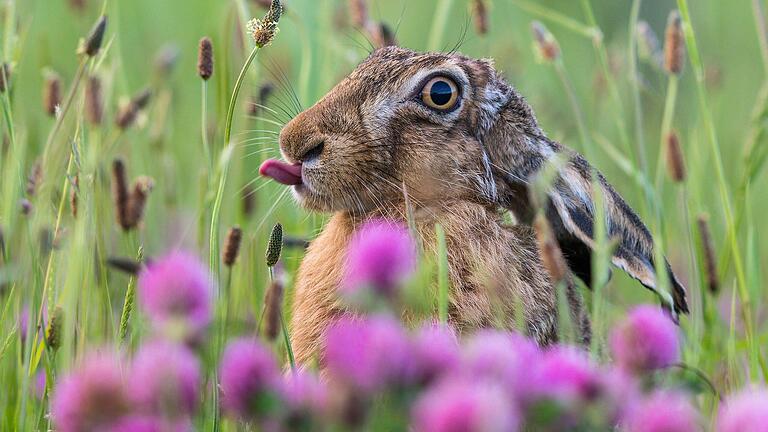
(572, 215)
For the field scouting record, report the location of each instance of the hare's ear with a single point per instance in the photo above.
(571, 212)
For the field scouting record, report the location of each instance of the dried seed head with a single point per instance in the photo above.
(138, 200)
(273, 308)
(53, 330)
(5, 77)
(92, 44)
(166, 59)
(264, 30)
(480, 16)
(675, 161)
(232, 246)
(545, 43)
(674, 45)
(708, 251)
(34, 178)
(26, 206)
(127, 115)
(94, 108)
(358, 13)
(120, 194)
(275, 245)
(551, 255)
(381, 35)
(248, 200)
(52, 93)
(205, 58)
(648, 44)
(125, 265)
(73, 195)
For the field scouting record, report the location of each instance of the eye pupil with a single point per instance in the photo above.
(441, 93)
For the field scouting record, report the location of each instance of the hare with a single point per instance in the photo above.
(402, 126)
(482, 114)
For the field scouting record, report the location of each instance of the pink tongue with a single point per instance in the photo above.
(281, 172)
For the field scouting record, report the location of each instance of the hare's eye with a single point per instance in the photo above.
(440, 93)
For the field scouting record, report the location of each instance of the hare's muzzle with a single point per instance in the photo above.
(282, 172)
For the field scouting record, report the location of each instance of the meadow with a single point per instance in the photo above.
(129, 167)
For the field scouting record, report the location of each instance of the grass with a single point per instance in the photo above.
(599, 98)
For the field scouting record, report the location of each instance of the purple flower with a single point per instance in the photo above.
(250, 380)
(380, 256)
(504, 357)
(24, 324)
(92, 397)
(305, 397)
(646, 340)
(435, 351)
(566, 375)
(39, 385)
(745, 411)
(465, 406)
(176, 292)
(663, 412)
(367, 354)
(165, 379)
(137, 423)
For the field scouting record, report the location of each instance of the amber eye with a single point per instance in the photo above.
(440, 93)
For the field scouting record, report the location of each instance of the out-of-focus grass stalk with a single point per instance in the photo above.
(556, 17)
(204, 127)
(586, 142)
(216, 212)
(666, 125)
(762, 36)
(442, 275)
(635, 86)
(725, 198)
(438, 25)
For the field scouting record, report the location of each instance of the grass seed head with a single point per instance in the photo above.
(546, 45)
(264, 30)
(34, 178)
(127, 115)
(52, 93)
(166, 59)
(120, 194)
(94, 106)
(551, 255)
(480, 16)
(91, 45)
(648, 44)
(275, 245)
(232, 246)
(358, 13)
(248, 200)
(138, 200)
(26, 206)
(708, 252)
(674, 45)
(274, 304)
(675, 160)
(75, 190)
(205, 59)
(53, 330)
(5, 77)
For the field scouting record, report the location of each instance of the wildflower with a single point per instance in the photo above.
(646, 340)
(249, 380)
(674, 45)
(165, 379)
(232, 246)
(52, 93)
(545, 43)
(305, 398)
(502, 357)
(23, 323)
(175, 291)
(367, 354)
(471, 406)
(205, 59)
(264, 30)
(663, 412)
(745, 411)
(436, 352)
(380, 257)
(566, 375)
(92, 397)
(141, 423)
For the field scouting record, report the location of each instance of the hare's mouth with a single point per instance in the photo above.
(282, 172)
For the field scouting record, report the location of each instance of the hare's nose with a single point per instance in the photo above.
(313, 152)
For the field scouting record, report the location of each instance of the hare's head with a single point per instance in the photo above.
(400, 120)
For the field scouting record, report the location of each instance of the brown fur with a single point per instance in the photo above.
(369, 143)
